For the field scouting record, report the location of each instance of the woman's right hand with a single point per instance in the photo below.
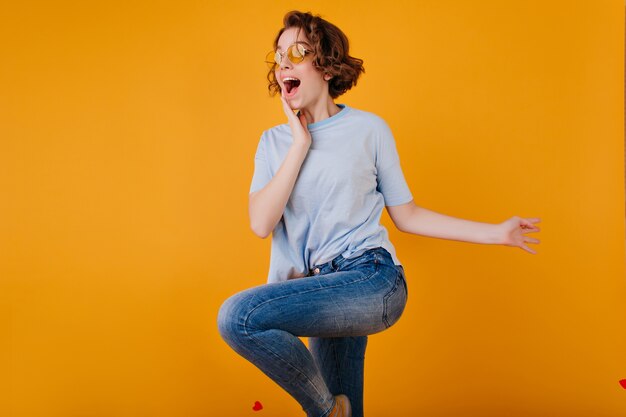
(298, 124)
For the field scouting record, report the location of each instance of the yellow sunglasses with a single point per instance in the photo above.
(295, 53)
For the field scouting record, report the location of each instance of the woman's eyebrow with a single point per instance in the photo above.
(302, 42)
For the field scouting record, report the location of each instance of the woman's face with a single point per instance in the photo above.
(302, 84)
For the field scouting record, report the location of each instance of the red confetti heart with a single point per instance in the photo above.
(257, 406)
(622, 382)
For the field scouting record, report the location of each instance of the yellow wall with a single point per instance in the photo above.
(127, 138)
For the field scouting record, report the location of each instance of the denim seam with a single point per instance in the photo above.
(299, 371)
(269, 350)
(337, 366)
(327, 412)
(386, 300)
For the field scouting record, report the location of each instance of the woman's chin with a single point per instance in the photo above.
(293, 98)
(295, 104)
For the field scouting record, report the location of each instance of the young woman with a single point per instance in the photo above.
(320, 184)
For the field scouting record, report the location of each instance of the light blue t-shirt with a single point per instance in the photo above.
(352, 170)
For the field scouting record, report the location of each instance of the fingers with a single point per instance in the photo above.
(287, 108)
(528, 240)
(298, 122)
(528, 225)
(289, 111)
(527, 249)
(530, 222)
(293, 120)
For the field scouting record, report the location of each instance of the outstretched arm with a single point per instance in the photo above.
(411, 218)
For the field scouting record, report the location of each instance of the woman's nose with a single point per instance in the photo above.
(285, 63)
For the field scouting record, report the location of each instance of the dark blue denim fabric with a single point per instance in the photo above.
(337, 305)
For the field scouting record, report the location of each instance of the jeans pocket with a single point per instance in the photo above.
(395, 301)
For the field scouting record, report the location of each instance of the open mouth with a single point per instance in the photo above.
(291, 84)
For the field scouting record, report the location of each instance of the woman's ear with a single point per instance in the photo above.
(327, 77)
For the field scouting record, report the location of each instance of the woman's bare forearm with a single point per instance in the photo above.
(267, 205)
(429, 223)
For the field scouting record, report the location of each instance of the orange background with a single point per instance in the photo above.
(127, 139)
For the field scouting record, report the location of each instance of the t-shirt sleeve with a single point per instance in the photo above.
(261, 169)
(391, 181)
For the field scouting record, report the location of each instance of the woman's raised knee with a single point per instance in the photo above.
(226, 319)
(232, 316)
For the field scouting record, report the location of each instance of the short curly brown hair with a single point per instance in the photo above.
(330, 46)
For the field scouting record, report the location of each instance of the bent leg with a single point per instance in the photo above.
(263, 324)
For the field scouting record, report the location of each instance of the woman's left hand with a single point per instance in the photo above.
(511, 232)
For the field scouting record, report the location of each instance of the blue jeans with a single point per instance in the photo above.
(337, 305)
